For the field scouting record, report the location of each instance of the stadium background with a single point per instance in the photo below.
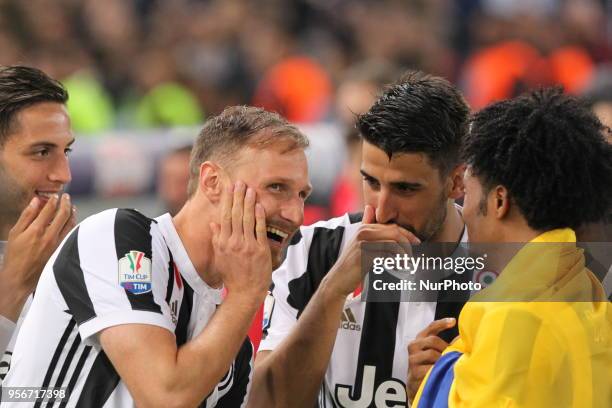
(143, 75)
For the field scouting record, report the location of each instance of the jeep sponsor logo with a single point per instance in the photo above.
(389, 393)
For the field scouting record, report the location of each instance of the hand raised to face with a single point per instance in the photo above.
(241, 250)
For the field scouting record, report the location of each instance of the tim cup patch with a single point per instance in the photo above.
(135, 273)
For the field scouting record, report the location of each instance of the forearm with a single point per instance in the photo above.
(157, 373)
(12, 295)
(210, 354)
(291, 375)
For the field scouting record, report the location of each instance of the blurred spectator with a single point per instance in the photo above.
(355, 95)
(166, 63)
(347, 194)
(599, 96)
(172, 179)
(502, 71)
(90, 106)
(146, 64)
(360, 86)
(520, 45)
(122, 167)
(297, 88)
(165, 102)
(166, 105)
(571, 67)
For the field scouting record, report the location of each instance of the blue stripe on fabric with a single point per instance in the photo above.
(436, 390)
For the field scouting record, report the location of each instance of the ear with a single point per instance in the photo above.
(455, 180)
(499, 202)
(211, 181)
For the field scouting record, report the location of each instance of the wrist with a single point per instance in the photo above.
(246, 300)
(12, 298)
(330, 291)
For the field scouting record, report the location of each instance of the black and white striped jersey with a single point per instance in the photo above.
(116, 267)
(5, 358)
(369, 361)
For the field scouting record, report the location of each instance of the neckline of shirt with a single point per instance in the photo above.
(184, 264)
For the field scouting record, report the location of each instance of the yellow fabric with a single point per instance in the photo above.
(553, 351)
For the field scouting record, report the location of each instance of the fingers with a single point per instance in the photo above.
(435, 343)
(369, 216)
(437, 326)
(389, 250)
(238, 209)
(69, 225)
(248, 219)
(260, 224)
(426, 357)
(46, 214)
(425, 343)
(400, 234)
(377, 232)
(409, 236)
(215, 229)
(61, 219)
(226, 212)
(27, 215)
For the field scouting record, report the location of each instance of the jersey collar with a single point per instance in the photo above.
(184, 264)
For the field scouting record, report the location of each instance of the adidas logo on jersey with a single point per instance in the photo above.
(348, 322)
(174, 311)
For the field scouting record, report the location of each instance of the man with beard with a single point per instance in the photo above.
(541, 334)
(128, 311)
(35, 140)
(321, 343)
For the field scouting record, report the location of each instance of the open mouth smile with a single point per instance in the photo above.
(276, 235)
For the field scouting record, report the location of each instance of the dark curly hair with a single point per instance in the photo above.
(549, 151)
(419, 114)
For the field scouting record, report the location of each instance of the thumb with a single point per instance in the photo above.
(368, 215)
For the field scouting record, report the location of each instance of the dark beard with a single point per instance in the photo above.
(434, 223)
(12, 200)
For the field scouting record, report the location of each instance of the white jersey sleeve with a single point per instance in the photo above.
(7, 351)
(110, 271)
(310, 255)
(7, 327)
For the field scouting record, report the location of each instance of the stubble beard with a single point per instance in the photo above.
(12, 200)
(435, 221)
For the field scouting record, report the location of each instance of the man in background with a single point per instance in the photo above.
(173, 177)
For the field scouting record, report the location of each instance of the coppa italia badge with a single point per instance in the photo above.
(135, 272)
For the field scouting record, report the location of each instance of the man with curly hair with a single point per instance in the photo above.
(541, 334)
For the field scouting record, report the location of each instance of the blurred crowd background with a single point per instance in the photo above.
(143, 75)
